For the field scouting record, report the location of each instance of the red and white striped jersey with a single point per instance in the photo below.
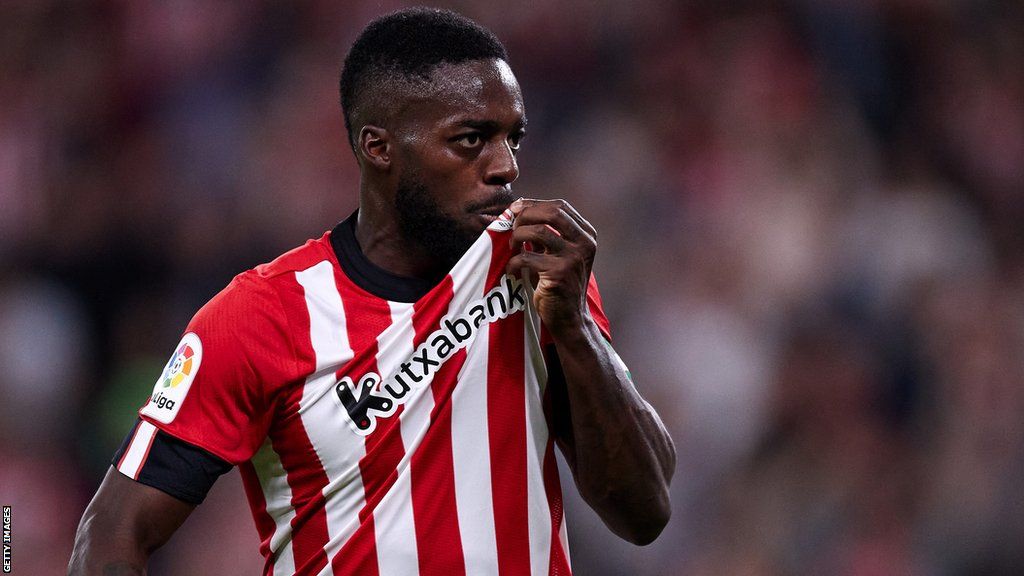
(376, 434)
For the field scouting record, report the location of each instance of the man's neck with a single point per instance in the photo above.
(381, 241)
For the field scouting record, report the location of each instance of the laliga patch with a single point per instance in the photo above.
(170, 389)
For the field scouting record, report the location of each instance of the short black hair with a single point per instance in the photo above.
(404, 47)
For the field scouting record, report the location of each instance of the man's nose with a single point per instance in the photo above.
(502, 168)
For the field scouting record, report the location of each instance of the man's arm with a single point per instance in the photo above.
(125, 522)
(616, 445)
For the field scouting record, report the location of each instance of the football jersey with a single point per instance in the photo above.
(381, 425)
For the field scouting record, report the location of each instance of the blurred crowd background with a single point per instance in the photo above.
(811, 219)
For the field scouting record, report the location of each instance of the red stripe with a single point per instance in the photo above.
(384, 447)
(596, 308)
(553, 488)
(145, 455)
(506, 416)
(306, 478)
(265, 525)
(433, 464)
(305, 473)
(368, 316)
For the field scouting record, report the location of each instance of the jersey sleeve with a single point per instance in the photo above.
(214, 391)
(596, 309)
(154, 458)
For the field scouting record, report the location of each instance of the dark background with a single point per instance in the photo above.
(810, 224)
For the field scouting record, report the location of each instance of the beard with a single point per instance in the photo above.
(424, 223)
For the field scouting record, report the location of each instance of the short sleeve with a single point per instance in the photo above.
(154, 458)
(213, 393)
(597, 309)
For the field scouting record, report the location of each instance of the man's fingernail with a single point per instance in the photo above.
(517, 205)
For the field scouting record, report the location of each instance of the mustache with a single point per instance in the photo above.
(501, 199)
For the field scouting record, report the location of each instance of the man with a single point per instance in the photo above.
(391, 392)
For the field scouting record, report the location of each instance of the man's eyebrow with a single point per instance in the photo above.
(489, 125)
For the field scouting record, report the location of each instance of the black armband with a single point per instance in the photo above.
(152, 457)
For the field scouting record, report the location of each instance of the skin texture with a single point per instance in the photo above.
(432, 178)
(125, 522)
(457, 142)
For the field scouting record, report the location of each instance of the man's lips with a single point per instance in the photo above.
(486, 217)
(494, 210)
(495, 204)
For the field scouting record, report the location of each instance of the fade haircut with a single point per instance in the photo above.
(398, 52)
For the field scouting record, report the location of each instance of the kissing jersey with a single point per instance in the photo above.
(381, 425)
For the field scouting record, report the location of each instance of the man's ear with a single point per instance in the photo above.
(374, 146)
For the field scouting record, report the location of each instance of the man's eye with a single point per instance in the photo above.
(469, 140)
(515, 139)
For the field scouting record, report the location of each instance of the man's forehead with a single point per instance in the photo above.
(471, 87)
(474, 75)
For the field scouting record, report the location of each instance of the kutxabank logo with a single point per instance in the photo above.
(373, 397)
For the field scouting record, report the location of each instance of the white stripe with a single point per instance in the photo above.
(394, 520)
(327, 331)
(563, 536)
(336, 446)
(475, 261)
(536, 441)
(278, 495)
(471, 451)
(394, 523)
(415, 416)
(136, 452)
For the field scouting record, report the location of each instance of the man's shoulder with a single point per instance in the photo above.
(297, 259)
(260, 286)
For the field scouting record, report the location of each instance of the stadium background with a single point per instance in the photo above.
(810, 218)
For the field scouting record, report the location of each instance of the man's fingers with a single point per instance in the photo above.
(531, 261)
(540, 235)
(556, 213)
(580, 220)
(521, 203)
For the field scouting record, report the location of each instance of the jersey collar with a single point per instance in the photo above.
(368, 275)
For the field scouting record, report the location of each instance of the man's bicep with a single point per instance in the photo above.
(154, 482)
(123, 524)
(149, 515)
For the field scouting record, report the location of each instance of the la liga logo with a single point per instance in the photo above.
(174, 382)
(179, 366)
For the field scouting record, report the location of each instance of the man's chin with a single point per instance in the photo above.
(442, 237)
(448, 243)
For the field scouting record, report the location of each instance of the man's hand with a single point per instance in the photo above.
(621, 456)
(563, 246)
